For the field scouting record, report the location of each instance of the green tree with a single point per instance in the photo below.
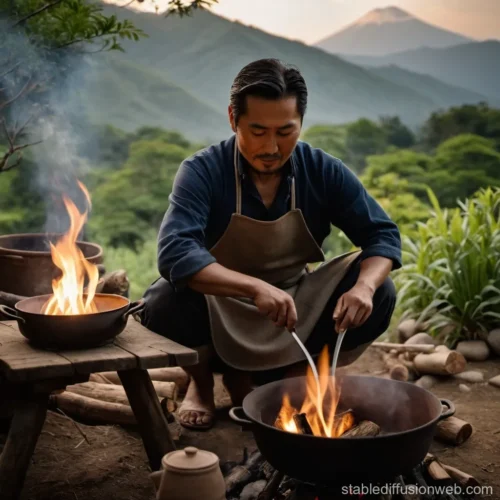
(464, 164)
(132, 200)
(364, 137)
(396, 132)
(329, 138)
(467, 119)
(35, 37)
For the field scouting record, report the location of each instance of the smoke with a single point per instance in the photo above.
(49, 86)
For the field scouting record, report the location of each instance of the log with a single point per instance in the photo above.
(461, 477)
(364, 428)
(397, 370)
(243, 473)
(405, 347)
(93, 409)
(343, 421)
(440, 363)
(302, 424)
(175, 374)
(115, 282)
(435, 469)
(453, 430)
(116, 393)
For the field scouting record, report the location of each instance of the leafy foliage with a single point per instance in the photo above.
(452, 272)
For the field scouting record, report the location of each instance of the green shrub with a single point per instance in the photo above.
(451, 274)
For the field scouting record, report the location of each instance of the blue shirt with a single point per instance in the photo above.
(203, 199)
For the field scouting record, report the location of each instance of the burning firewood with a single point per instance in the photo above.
(364, 428)
(343, 422)
(302, 424)
(453, 430)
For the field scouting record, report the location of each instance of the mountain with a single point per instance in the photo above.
(475, 66)
(438, 92)
(129, 96)
(388, 30)
(180, 77)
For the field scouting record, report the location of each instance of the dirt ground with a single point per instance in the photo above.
(112, 465)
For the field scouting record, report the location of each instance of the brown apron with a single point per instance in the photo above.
(276, 252)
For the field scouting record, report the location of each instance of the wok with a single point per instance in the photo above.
(79, 331)
(407, 414)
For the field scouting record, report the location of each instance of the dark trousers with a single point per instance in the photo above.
(182, 316)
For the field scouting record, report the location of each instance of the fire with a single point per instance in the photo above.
(320, 409)
(69, 295)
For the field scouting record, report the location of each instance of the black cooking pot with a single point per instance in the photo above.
(26, 265)
(78, 331)
(407, 414)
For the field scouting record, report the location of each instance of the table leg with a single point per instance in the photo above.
(152, 423)
(25, 428)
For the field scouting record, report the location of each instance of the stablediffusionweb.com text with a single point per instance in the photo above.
(398, 488)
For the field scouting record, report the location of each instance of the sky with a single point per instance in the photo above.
(311, 20)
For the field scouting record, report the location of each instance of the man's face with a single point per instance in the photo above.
(268, 132)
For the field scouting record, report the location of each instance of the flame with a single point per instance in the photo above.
(320, 407)
(69, 295)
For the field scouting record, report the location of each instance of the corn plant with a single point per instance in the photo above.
(451, 274)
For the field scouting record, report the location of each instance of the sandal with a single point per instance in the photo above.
(202, 413)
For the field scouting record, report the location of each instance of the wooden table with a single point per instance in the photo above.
(28, 376)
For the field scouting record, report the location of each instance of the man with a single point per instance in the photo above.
(245, 218)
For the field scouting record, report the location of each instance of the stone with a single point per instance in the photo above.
(474, 350)
(426, 381)
(406, 329)
(420, 338)
(464, 388)
(252, 490)
(471, 376)
(495, 381)
(494, 340)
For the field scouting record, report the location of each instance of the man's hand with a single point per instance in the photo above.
(353, 307)
(276, 304)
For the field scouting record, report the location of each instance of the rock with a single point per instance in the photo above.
(420, 338)
(473, 350)
(494, 340)
(471, 376)
(406, 329)
(495, 381)
(252, 490)
(464, 388)
(426, 381)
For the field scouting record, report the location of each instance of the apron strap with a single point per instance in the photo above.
(238, 183)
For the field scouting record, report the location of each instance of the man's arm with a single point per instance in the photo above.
(367, 225)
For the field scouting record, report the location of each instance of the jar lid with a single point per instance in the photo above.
(190, 458)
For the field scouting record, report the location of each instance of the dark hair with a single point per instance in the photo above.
(270, 79)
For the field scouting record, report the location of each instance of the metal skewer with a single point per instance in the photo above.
(336, 351)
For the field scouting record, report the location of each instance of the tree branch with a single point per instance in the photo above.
(36, 12)
(24, 90)
(78, 40)
(13, 149)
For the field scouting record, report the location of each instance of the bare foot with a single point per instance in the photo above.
(197, 410)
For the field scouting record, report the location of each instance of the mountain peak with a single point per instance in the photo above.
(384, 15)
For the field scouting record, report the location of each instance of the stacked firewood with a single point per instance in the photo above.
(412, 361)
(103, 399)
